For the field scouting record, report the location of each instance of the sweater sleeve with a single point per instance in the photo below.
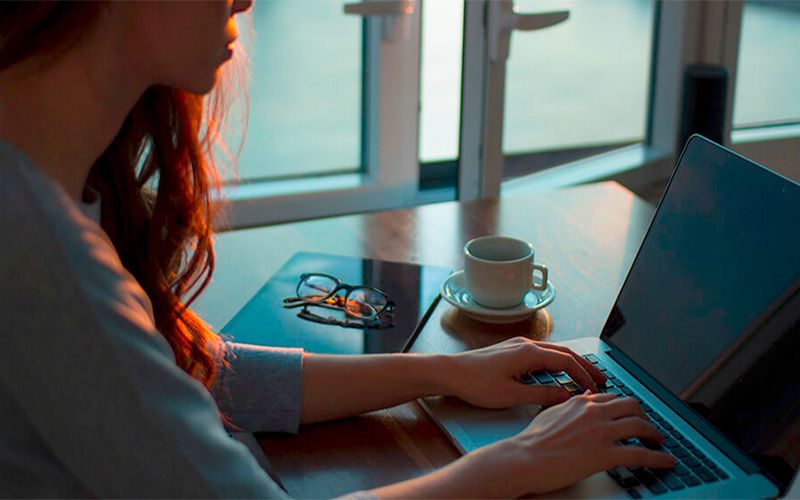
(259, 388)
(82, 358)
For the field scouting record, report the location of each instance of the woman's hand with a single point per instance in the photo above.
(562, 445)
(574, 440)
(489, 377)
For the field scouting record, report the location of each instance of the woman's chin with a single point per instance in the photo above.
(201, 85)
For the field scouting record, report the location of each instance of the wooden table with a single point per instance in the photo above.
(587, 236)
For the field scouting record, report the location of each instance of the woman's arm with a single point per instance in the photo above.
(341, 386)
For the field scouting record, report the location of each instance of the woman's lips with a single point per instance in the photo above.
(228, 51)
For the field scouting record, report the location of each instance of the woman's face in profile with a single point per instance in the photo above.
(183, 43)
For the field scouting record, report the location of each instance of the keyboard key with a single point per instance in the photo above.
(706, 475)
(650, 481)
(573, 388)
(690, 480)
(544, 377)
(529, 379)
(592, 358)
(689, 444)
(699, 454)
(680, 453)
(646, 407)
(633, 493)
(657, 488)
(627, 391)
(708, 462)
(667, 426)
(677, 435)
(623, 477)
(672, 482)
(562, 378)
(658, 418)
(691, 462)
(670, 443)
(720, 473)
(681, 470)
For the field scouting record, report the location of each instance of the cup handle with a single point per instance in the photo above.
(542, 269)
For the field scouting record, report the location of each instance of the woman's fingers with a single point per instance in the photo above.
(623, 407)
(628, 427)
(554, 360)
(591, 369)
(545, 395)
(600, 397)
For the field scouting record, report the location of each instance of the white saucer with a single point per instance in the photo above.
(455, 292)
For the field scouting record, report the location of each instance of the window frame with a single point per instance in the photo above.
(481, 161)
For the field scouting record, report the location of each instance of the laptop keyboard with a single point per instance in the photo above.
(693, 467)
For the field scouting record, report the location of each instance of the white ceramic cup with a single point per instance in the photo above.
(499, 270)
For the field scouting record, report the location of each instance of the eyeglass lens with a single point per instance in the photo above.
(366, 302)
(315, 287)
(361, 302)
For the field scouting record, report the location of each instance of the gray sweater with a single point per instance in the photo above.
(91, 400)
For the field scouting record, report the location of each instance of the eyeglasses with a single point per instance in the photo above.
(367, 305)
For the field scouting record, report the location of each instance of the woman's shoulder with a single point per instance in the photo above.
(28, 196)
(53, 255)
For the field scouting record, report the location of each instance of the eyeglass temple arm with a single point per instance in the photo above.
(291, 302)
(294, 302)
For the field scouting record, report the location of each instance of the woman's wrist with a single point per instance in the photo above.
(434, 374)
(505, 468)
(490, 472)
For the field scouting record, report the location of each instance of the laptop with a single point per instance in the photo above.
(705, 333)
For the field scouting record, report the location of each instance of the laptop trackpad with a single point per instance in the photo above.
(472, 427)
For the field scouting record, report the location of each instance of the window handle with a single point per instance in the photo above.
(395, 16)
(503, 17)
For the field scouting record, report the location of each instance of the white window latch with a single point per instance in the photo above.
(502, 17)
(395, 16)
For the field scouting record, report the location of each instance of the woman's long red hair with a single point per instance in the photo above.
(156, 180)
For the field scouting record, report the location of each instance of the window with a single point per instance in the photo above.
(440, 80)
(305, 95)
(768, 73)
(401, 102)
(766, 106)
(333, 112)
(579, 87)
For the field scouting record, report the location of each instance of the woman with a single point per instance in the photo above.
(109, 384)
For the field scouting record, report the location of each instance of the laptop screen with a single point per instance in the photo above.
(711, 305)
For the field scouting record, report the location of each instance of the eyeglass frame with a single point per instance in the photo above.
(340, 285)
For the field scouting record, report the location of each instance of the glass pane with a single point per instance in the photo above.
(583, 83)
(305, 93)
(768, 74)
(440, 80)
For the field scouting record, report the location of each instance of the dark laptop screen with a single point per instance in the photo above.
(711, 306)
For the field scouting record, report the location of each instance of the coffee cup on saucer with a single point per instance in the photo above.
(500, 270)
